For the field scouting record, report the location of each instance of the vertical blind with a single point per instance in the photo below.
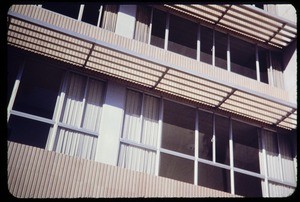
(143, 16)
(109, 19)
(140, 126)
(81, 108)
(279, 159)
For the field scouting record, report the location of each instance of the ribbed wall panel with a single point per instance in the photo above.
(37, 173)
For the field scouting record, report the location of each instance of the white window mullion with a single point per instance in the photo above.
(15, 90)
(167, 31)
(257, 63)
(271, 82)
(214, 49)
(228, 53)
(160, 127)
(150, 26)
(80, 12)
(213, 140)
(196, 148)
(100, 15)
(231, 157)
(198, 42)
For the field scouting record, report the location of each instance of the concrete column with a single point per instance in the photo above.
(126, 21)
(111, 124)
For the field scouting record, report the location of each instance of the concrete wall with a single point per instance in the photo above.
(111, 124)
(126, 21)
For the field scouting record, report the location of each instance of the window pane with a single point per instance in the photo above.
(74, 93)
(206, 45)
(68, 9)
(213, 177)
(91, 13)
(263, 64)
(132, 121)
(205, 135)
(38, 90)
(158, 28)
(178, 128)
(176, 168)
(222, 139)
(242, 56)
(182, 36)
(137, 159)
(245, 146)
(246, 185)
(27, 131)
(221, 49)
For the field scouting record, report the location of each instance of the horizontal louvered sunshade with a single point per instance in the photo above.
(245, 20)
(81, 50)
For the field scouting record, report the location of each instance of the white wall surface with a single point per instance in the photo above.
(111, 124)
(126, 21)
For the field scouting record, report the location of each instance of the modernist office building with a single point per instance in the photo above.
(151, 100)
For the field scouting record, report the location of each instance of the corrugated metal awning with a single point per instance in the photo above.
(244, 20)
(81, 50)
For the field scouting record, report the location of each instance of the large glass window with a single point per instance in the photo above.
(221, 50)
(245, 146)
(27, 131)
(140, 131)
(158, 28)
(176, 168)
(205, 135)
(246, 185)
(213, 177)
(242, 57)
(222, 139)
(178, 132)
(56, 110)
(38, 90)
(182, 36)
(91, 13)
(206, 39)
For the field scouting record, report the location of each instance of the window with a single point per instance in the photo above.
(213, 177)
(109, 17)
(182, 36)
(55, 109)
(205, 135)
(158, 28)
(68, 9)
(176, 168)
(206, 40)
(245, 146)
(242, 56)
(143, 17)
(27, 131)
(140, 132)
(91, 13)
(222, 139)
(221, 50)
(178, 128)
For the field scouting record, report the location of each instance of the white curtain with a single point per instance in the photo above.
(274, 165)
(109, 19)
(142, 23)
(81, 109)
(140, 126)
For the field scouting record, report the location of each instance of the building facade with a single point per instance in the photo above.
(145, 100)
